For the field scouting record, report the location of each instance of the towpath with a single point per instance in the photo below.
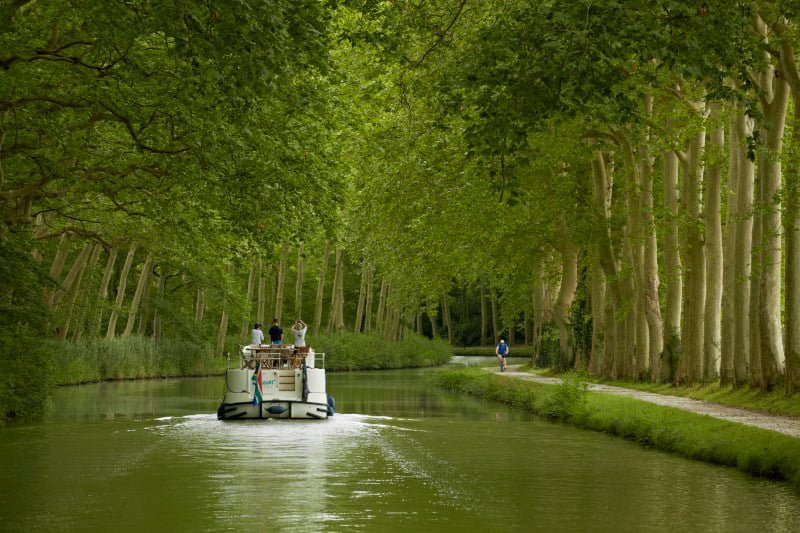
(782, 424)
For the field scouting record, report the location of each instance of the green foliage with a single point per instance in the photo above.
(352, 351)
(567, 398)
(752, 450)
(25, 376)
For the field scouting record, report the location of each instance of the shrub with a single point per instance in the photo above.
(567, 398)
(24, 374)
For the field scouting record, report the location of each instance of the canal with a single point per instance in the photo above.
(399, 455)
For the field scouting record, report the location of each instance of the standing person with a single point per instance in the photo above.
(502, 351)
(299, 332)
(275, 333)
(257, 336)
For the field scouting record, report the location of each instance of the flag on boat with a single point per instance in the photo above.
(258, 387)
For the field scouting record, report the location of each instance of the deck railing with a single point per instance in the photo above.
(279, 356)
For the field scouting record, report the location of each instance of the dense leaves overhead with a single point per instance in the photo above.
(136, 106)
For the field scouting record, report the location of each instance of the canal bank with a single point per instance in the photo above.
(753, 450)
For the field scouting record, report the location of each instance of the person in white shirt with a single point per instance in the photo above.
(299, 332)
(257, 336)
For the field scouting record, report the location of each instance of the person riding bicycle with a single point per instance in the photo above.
(502, 351)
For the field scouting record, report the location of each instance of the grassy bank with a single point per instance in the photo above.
(752, 450)
(99, 359)
(775, 402)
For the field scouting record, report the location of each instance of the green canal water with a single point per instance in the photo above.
(400, 455)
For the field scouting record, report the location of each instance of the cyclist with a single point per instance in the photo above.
(502, 351)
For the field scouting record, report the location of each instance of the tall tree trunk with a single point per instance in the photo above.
(270, 288)
(144, 315)
(123, 281)
(262, 293)
(72, 275)
(157, 320)
(495, 325)
(340, 293)
(368, 303)
(251, 282)
(774, 106)
(729, 264)
(598, 302)
(199, 306)
(566, 295)
(754, 338)
(673, 278)
(609, 338)
(362, 297)
(85, 304)
(58, 265)
(655, 322)
(321, 288)
(102, 294)
(690, 365)
(144, 280)
(432, 318)
(448, 322)
(620, 336)
(528, 324)
(332, 312)
(791, 220)
(743, 234)
(484, 318)
(281, 282)
(298, 287)
(222, 332)
(634, 247)
(386, 317)
(381, 307)
(539, 295)
(712, 336)
(74, 289)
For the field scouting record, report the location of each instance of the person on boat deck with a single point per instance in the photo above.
(275, 333)
(299, 332)
(257, 336)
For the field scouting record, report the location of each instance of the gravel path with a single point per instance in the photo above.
(782, 424)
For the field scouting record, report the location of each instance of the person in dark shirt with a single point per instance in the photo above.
(275, 333)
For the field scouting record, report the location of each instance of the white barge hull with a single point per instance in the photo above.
(258, 393)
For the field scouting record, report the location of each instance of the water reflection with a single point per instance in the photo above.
(400, 455)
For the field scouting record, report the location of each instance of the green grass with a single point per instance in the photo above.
(775, 402)
(98, 359)
(752, 450)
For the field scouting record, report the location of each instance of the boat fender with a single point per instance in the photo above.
(276, 409)
(331, 405)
